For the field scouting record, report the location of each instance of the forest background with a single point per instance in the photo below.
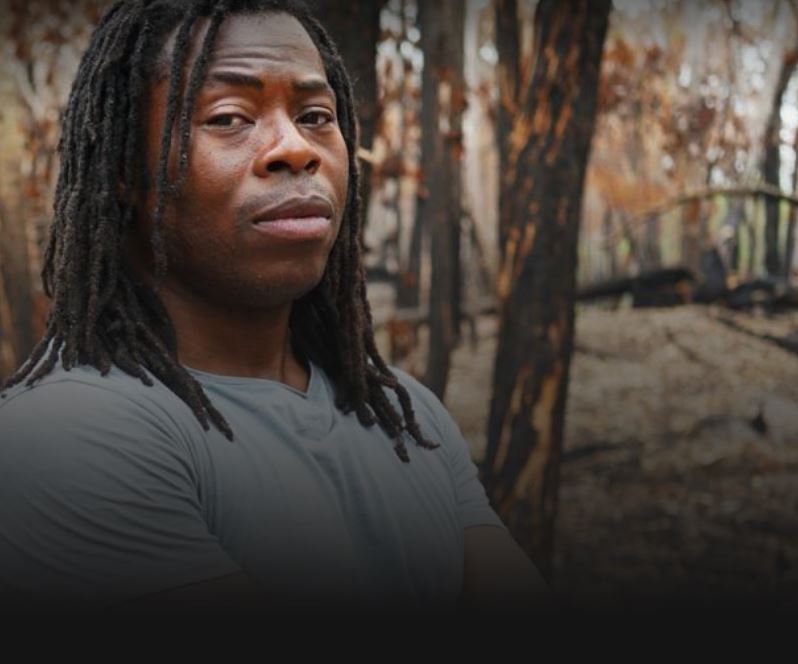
(580, 233)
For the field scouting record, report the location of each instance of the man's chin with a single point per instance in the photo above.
(267, 296)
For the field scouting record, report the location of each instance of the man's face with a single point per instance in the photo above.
(262, 133)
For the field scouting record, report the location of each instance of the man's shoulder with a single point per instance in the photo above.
(83, 397)
(84, 381)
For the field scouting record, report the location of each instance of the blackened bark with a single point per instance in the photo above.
(508, 71)
(442, 26)
(544, 178)
(408, 288)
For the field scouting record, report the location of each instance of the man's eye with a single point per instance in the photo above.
(226, 120)
(325, 117)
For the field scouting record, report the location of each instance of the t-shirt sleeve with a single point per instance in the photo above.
(98, 501)
(472, 500)
(473, 506)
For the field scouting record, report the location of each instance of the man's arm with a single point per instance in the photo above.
(498, 574)
(101, 508)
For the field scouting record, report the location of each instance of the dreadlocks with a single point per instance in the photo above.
(100, 314)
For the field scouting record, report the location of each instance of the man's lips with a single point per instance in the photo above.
(295, 208)
(298, 218)
(293, 228)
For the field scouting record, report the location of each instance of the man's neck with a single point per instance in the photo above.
(253, 344)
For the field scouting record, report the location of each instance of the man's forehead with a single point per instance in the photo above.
(265, 38)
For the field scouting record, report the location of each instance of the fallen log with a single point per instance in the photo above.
(657, 288)
(675, 286)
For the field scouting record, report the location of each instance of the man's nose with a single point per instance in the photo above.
(285, 148)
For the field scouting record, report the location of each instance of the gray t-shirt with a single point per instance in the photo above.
(110, 490)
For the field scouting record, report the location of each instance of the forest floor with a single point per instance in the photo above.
(679, 477)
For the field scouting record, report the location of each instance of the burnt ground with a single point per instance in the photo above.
(679, 479)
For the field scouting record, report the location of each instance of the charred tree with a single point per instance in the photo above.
(439, 210)
(408, 287)
(544, 168)
(408, 283)
(508, 71)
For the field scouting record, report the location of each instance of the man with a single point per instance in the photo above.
(196, 426)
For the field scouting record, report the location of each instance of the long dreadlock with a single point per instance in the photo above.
(101, 315)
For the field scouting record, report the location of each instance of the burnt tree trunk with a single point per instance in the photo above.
(508, 72)
(546, 163)
(771, 164)
(408, 283)
(442, 26)
(408, 288)
(355, 28)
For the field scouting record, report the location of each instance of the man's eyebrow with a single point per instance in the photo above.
(234, 78)
(313, 85)
(247, 80)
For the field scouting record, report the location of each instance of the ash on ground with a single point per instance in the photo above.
(679, 477)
